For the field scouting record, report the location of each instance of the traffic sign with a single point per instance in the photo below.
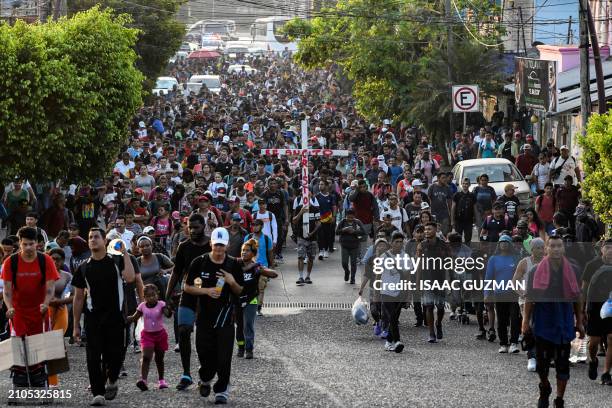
(465, 98)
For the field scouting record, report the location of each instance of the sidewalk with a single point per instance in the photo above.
(328, 285)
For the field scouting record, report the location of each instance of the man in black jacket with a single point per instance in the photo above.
(350, 231)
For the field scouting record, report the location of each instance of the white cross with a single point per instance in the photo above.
(305, 152)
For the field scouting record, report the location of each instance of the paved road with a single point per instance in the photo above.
(320, 358)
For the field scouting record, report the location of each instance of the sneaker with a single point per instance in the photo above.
(606, 379)
(300, 282)
(491, 335)
(432, 339)
(593, 368)
(377, 329)
(389, 346)
(325, 254)
(142, 385)
(136, 349)
(399, 347)
(531, 365)
(503, 350)
(346, 276)
(453, 316)
(482, 334)
(111, 391)
(240, 352)
(439, 333)
(98, 401)
(308, 281)
(259, 313)
(384, 334)
(162, 384)
(177, 349)
(221, 398)
(320, 255)
(204, 389)
(305, 261)
(352, 282)
(559, 403)
(514, 348)
(419, 323)
(184, 382)
(249, 355)
(544, 395)
(123, 372)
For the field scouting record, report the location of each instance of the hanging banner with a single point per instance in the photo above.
(535, 84)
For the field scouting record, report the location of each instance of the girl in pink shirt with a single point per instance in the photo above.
(153, 338)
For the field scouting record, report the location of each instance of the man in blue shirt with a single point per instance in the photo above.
(552, 316)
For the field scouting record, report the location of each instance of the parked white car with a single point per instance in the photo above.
(163, 85)
(500, 171)
(212, 82)
(238, 68)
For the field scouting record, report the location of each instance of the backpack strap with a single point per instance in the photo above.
(14, 266)
(42, 264)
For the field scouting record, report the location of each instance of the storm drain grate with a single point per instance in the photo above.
(309, 305)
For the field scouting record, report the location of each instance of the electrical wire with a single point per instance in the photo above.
(470, 31)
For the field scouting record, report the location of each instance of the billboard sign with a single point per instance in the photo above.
(535, 84)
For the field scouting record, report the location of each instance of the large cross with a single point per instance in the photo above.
(306, 153)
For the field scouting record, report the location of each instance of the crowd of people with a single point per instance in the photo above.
(194, 217)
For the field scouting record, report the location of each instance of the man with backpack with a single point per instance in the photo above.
(494, 224)
(105, 317)
(29, 283)
(563, 166)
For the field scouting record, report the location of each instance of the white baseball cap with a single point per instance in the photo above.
(417, 182)
(226, 139)
(219, 236)
(141, 124)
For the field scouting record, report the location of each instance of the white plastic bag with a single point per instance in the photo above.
(606, 309)
(360, 311)
(139, 328)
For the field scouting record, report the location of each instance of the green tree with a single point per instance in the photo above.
(70, 89)
(395, 54)
(597, 160)
(160, 33)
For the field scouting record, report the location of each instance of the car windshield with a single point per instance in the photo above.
(498, 173)
(211, 43)
(165, 84)
(215, 28)
(212, 83)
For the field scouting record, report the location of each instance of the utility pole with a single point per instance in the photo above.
(569, 30)
(585, 81)
(601, 93)
(449, 56)
(523, 29)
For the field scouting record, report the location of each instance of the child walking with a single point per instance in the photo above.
(245, 314)
(154, 338)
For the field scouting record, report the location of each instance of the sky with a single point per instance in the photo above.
(555, 34)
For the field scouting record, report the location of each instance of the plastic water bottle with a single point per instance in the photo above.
(220, 283)
(197, 282)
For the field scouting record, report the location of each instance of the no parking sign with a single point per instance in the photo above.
(465, 98)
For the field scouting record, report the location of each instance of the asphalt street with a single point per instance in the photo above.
(320, 358)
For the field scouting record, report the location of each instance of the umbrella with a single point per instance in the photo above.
(203, 54)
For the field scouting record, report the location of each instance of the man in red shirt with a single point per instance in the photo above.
(567, 197)
(27, 296)
(365, 206)
(526, 160)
